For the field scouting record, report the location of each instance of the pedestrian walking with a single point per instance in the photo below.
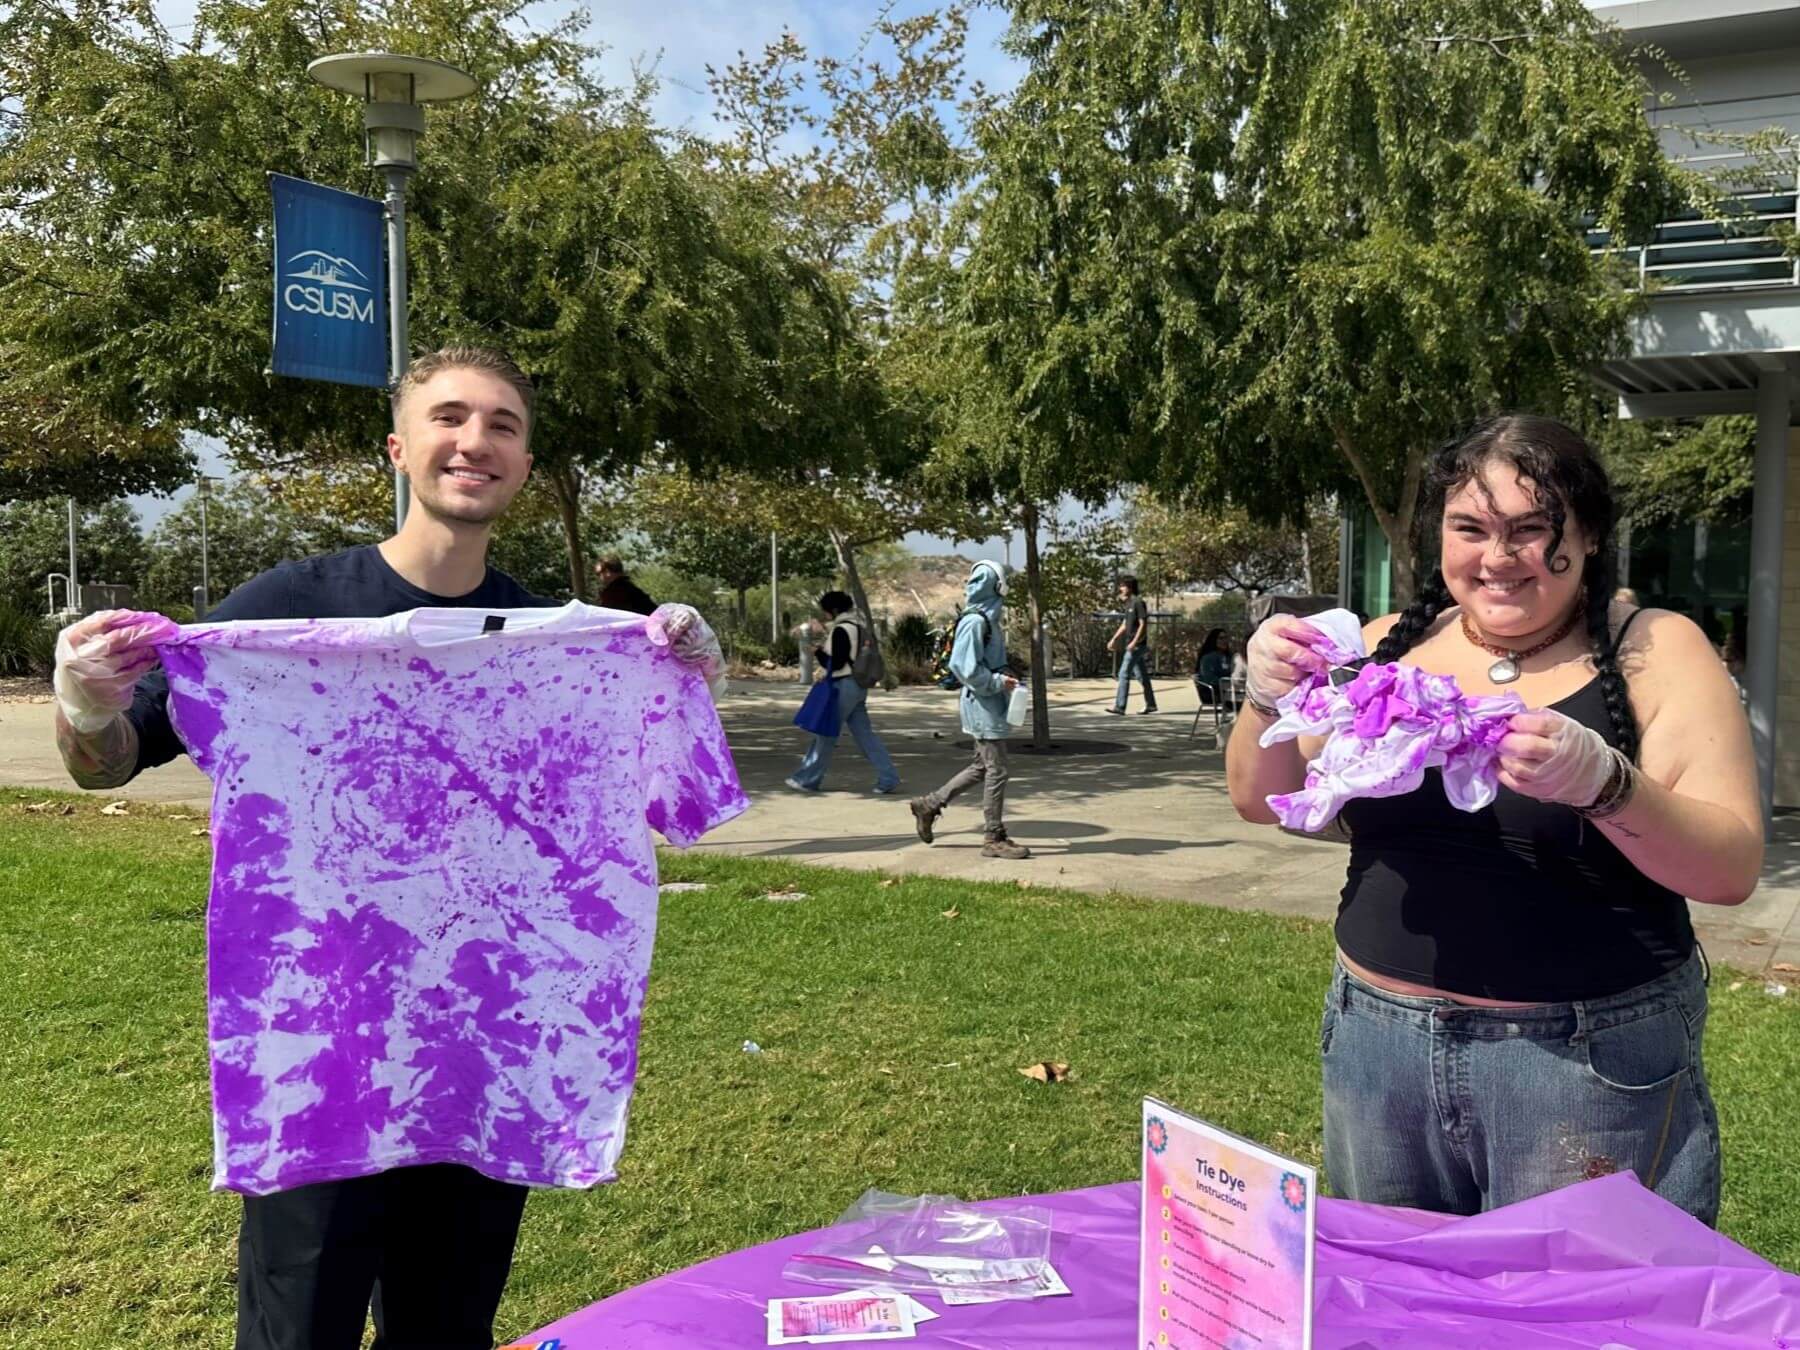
(978, 662)
(1134, 631)
(619, 591)
(846, 656)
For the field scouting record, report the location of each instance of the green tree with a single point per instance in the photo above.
(720, 528)
(248, 530)
(548, 217)
(34, 542)
(54, 447)
(1665, 472)
(1251, 252)
(856, 161)
(1224, 548)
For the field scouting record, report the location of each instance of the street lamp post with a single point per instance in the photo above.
(203, 489)
(393, 89)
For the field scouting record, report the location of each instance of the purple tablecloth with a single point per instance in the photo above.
(1603, 1265)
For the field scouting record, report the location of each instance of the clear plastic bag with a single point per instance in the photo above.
(925, 1243)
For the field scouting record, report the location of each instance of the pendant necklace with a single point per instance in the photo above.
(1506, 669)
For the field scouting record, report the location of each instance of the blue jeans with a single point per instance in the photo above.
(853, 712)
(1441, 1106)
(1132, 665)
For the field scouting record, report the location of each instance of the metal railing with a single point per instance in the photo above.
(1741, 250)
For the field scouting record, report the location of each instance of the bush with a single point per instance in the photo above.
(911, 641)
(27, 643)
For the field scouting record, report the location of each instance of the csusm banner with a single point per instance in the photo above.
(330, 304)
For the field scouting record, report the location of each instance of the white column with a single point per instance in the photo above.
(1762, 667)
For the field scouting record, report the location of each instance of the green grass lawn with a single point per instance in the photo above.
(891, 1035)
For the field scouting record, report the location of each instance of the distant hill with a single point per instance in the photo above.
(931, 585)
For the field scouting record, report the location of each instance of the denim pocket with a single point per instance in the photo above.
(1641, 1055)
(1328, 1024)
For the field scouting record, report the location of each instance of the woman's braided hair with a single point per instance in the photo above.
(1566, 478)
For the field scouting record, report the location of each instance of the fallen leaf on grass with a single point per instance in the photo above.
(952, 912)
(785, 893)
(114, 809)
(54, 808)
(1786, 968)
(888, 1072)
(181, 815)
(1734, 986)
(1047, 1072)
(201, 830)
(890, 881)
(678, 887)
(1024, 885)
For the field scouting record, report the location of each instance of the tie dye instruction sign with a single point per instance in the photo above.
(1226, 1258)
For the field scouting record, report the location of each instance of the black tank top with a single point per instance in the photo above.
(1524, 901)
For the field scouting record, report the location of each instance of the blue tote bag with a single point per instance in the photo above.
(819, 713)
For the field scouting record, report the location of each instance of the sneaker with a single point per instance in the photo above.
(924, 815)
(1004, 848)
(887, 791)
(798, 786)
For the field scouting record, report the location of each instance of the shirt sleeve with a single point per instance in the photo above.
(690, 780)
(268, 595)
(968, 657)
(840, 648)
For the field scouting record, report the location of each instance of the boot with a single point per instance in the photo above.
(1002, 847)
(924, 816)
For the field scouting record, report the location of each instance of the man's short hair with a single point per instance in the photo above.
(836, 602)
(1129, 582)
(488, 359)
(613, 565)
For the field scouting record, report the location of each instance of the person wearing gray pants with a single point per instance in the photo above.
(978, 661)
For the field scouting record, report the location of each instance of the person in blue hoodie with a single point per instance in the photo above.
(978, 660)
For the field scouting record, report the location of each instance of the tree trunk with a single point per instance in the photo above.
(1034, 593)
(1396, 521)
(1306, 567)
(853, 582)
(743, 606)
(565, 484)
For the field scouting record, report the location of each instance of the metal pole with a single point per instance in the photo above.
(205, 576)
(774, 590)
(397, 340)
(1762, 673)
(74, 582)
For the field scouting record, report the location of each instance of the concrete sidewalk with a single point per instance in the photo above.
(1128, 803)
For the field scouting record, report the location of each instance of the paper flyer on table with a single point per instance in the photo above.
(827, 1318)
(1226, 1254)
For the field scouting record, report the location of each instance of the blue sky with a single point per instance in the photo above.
(678, 39)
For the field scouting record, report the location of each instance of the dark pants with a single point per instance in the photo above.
(432, 1246)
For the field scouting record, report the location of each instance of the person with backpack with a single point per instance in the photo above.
(977, 662)
(852, 661)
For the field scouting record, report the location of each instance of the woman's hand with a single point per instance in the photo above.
(1554, 758)
(1277, 659)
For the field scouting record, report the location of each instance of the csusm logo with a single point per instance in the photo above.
(330, 294)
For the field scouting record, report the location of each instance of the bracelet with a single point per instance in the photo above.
(1615, 793)
(1268, 710)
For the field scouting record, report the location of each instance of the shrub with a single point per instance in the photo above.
(911, 640)
(27, 643)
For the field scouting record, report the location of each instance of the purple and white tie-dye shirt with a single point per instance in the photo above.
(1384, 729)
(434, 885)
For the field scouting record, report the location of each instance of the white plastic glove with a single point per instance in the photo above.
(1554, 758)
(99, 661)
(1276, 658)
(681, 629)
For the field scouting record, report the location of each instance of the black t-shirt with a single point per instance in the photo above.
(354, 584)
(1140, 614)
